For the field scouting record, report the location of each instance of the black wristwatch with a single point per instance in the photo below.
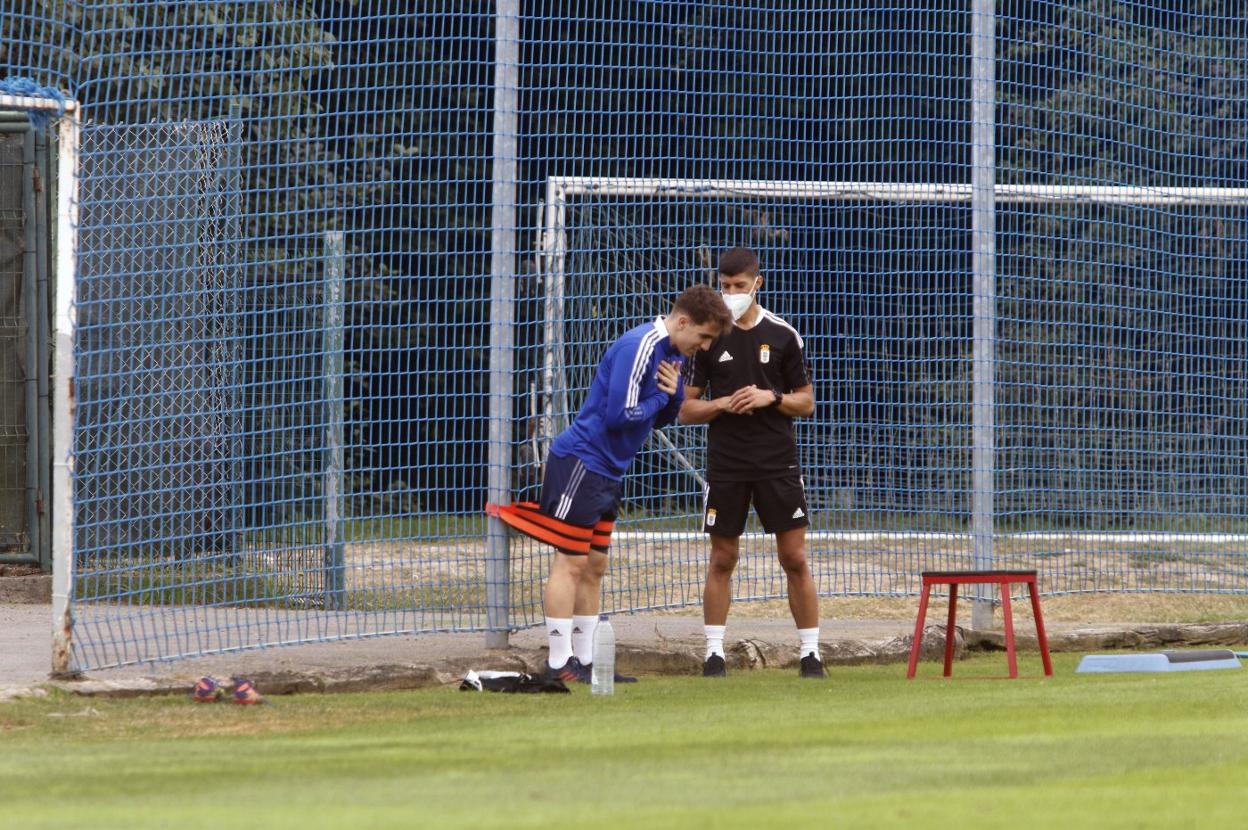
(779, 397)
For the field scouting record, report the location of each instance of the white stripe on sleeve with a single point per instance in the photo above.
(641, 362)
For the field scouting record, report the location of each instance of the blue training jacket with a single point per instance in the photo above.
(624, 402)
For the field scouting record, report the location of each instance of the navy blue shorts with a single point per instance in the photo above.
(573, 493)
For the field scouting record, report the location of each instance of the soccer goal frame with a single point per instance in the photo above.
(551, 399)
(68, 128)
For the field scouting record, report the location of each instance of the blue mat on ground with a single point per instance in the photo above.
(1163, 661)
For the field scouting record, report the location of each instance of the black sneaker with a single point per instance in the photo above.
(812, 667)
(714, 667)
(571, 672)
(619, 678)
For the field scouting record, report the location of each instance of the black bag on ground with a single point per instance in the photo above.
(511, 681)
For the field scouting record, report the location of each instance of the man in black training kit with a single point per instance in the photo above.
(756, 382)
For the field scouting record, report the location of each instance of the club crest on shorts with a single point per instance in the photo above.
(764, 353)
(710, 517)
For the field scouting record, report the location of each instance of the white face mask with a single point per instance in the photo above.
(738, 304)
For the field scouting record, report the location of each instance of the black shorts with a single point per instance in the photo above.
(573, 493)
(779, 502)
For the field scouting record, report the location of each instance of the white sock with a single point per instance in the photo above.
(559, 633)
(810, 642)
(714, 639)
(583, 637)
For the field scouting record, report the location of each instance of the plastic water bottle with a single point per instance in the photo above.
(603, 678)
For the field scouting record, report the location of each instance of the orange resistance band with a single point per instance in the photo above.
(526, 518)
(601, 539)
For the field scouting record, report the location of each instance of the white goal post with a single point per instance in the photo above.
(68, 128)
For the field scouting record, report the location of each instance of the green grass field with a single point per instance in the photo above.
(762, 749)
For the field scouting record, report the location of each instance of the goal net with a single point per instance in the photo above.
(1104, 354)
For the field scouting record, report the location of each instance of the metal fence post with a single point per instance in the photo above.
(233, 184)
(30, 316)
(46, 179)
(332, 304)
(502, 288)
(984, 312)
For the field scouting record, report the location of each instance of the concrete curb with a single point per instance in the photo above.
(1109, 638)
(670, 657)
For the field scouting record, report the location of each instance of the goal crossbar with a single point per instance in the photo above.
(561, 187)
(25, 103)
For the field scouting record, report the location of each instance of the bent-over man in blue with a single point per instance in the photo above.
(637, 387)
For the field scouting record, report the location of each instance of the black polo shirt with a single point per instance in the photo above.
(760, 445)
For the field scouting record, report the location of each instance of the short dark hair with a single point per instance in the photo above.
(704, 304)
(738, 261)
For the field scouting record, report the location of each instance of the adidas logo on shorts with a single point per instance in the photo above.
(798, 514)
(725, 357)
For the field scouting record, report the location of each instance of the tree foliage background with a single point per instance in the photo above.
(1120, 336)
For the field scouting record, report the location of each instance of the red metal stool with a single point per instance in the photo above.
(1003, 580)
